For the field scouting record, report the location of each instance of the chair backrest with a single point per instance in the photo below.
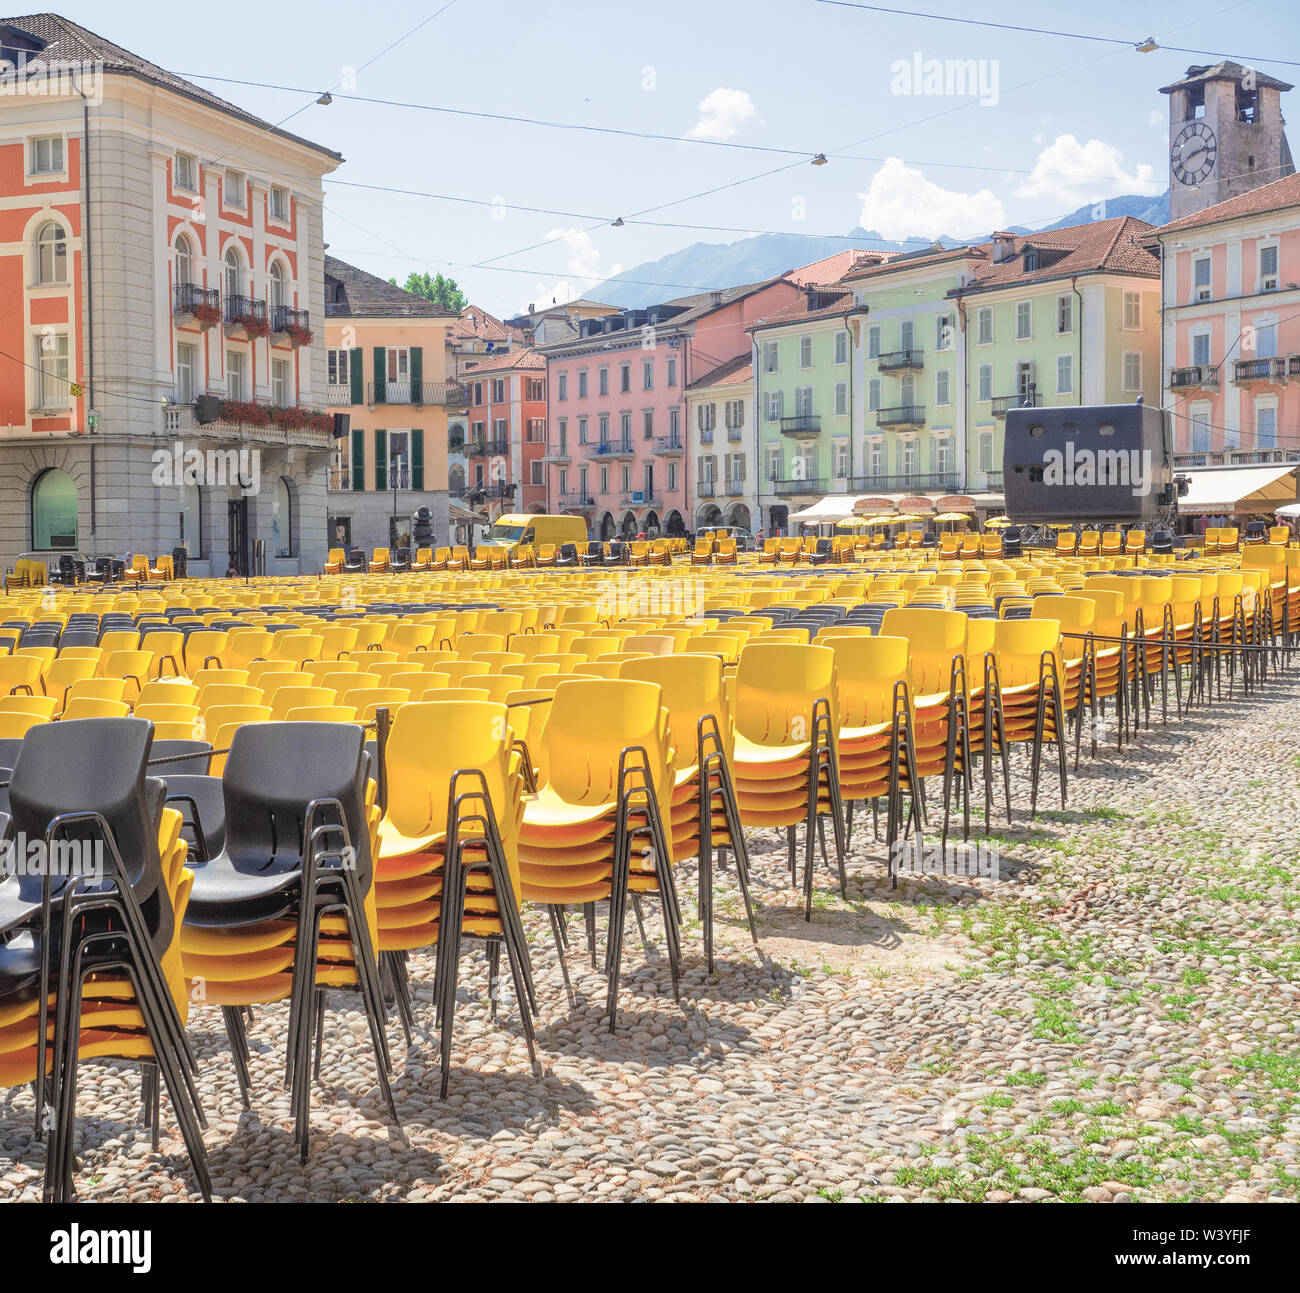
(88, 765)
(691, 689)
(777, 686)
(591, 723)
(1021, 646)
(936, 637)
(267, 785)
(868, 670)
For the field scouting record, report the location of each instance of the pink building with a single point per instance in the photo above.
(616, 439)
(1231, 319)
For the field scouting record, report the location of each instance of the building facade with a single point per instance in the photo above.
(616, 445)
(506, 445)
(720, 445)
(803, 422)
(476, 334)
(385, 368)
(159, 245)
(1231, 328)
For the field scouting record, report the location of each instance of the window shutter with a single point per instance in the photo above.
(381, 376)
(417, 456)
(417, 374)
(358, 455)
(381, 455)
(357, 374)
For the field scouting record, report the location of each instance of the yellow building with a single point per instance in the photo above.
(386, 363)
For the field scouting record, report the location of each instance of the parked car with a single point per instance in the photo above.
(745, 541)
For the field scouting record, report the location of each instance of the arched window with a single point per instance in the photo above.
(192, 520)
(234, 273)
(54, 511)
(184, 260)
(279, 289)
(282, 519)
(51, 253)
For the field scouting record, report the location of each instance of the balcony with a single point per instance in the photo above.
(557, 453)
(803, 426)
(734, 434)
(1259, 370)
(284, 317)
(1028, 400)
(733, 488)
(191, 297)
(417, 393)
(479, 493)
(576, 498)
(810, 485)
(947, 481)
(486, 448)
(242, 310)
(903, 415)
(706, 488)
(668, 444)
(1235, 457)
(639, 498)
(337, 396)
(1204, 376)
(613, 449)
(895, 361)
(706, 435)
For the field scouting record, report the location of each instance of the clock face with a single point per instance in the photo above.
(1193, 153)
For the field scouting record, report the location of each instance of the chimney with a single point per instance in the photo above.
(715, 299)
(1004, 247)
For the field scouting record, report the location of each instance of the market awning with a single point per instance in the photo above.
(834, 507)
(1239, 489)
(463, 516)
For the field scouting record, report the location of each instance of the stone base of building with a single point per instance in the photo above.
(150, 494)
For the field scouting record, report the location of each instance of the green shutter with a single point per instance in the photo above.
(417, 459)
(381, 459)
(381, 376)
(417, 375)
(358, 455)
(357, 374)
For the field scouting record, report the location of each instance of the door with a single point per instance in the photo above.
(237, 520)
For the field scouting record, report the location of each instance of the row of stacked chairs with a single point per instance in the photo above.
(535, 740)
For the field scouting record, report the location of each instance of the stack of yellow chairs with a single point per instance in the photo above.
(455, 800)
(597, 828)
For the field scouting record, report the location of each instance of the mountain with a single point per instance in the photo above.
(706, 265)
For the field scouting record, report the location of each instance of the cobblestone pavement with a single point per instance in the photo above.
(1114, 1018)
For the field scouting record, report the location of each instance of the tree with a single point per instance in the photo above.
(441, 291)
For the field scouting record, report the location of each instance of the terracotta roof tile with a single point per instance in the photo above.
(1268, 197)
(352, 293)
(733, 372)
(502, 363)
(68, 41)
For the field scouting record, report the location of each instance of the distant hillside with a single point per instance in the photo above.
(704, 265)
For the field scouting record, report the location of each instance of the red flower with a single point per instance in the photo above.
(298, 334)
(206, 316)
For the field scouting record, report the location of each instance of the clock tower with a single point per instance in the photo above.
(1226, 135)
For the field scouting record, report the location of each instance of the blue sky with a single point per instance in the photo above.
(1049, 124)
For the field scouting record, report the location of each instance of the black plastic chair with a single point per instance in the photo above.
(297, 845)
(81, 787)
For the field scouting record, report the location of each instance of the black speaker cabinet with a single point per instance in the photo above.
(1094, 463)
(342, 425)
(207, 408)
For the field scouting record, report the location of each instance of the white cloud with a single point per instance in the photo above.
(1069, 173)
(1155, 117)
(722, 113)
(582, 260)
(902, 203)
